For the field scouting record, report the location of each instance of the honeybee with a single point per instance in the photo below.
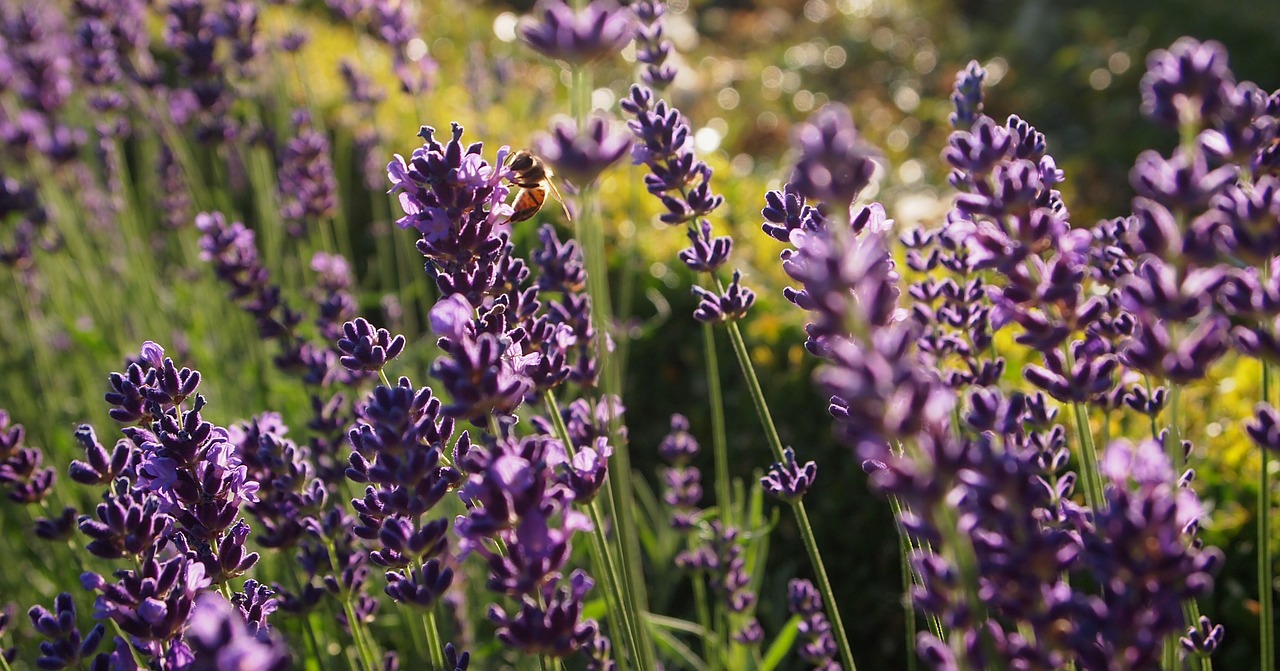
(533, 178)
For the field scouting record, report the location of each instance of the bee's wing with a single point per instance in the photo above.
(560, 198)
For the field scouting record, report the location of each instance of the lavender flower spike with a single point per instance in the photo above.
(835, 164)
(580, 157)
(367, 348)
(220, 640)
(789, 479)
(597, 32)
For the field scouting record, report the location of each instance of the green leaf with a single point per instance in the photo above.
(676, 624)
(677, 648)
(782, 644)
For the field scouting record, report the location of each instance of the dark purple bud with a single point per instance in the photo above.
(706, 253)
(1203, 639)
(219, 639)
(731, 306)
(789, 480)
(419, 586)
(678, 446)
(59, 528)
(365, 348)
(967, 96)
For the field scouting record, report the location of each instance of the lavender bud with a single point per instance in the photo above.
(835, 164)
(600, 30)
(365, 348)
(580, 157)
(789, 480)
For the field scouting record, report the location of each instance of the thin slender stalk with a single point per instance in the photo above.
(631, 573)
(357, 636)
(1088, 453)
(824, 584)
(1266, 614)
(1088, 458)
(719, 444)
(802, 517)
(434, 647)
(904, 557)
(598, 549)
(710, 644)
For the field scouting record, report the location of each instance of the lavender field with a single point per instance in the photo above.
(722, 335)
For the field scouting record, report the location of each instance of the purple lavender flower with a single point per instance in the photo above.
(729, 306)
(967, 96)
(819, 647)
(360, 88)
(652, 47)
(256, 602)
(366, 348)
(128, 523)
(664, 142)
(219, 640)
(560, 263)
(789, 480)
(457, 201)
(65, 646)
(835, 164)
(419, 586)
(555, 629)
(579, 38)
(678, 446)
(1187, 83)
(786, 211)
(483, 374)
(309, 190)
(584, 472)
(580, 156)
(1203, 638)
(706, 253)
(152, 603)
(1140, 555)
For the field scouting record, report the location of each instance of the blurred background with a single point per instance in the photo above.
(748, 72)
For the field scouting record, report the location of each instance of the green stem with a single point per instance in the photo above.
(719, 443)
(904, 557)
(357, 636)
(434, 647)
(824, 584)
(1093, 492)
(601, 559)
(802, 517)
(1266, 616)
(1088, 459)
(710, 644)
(620, 492)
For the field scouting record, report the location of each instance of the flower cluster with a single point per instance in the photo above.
(20, 466)
(664, 143)
(176, 486)
(997, 543)
(308, 188)
(398, 441)
(819, 648)
(598, 31)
